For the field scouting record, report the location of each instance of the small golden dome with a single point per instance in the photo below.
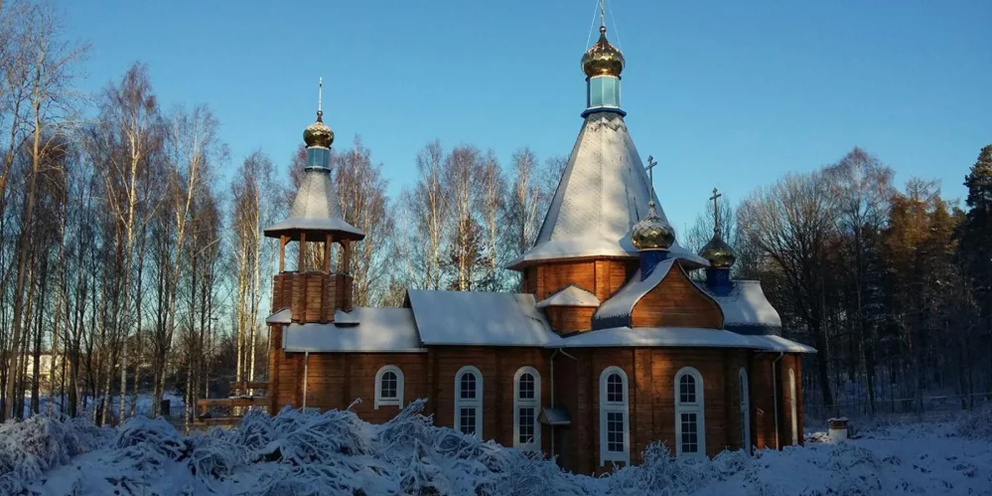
(718, 252)
(318, 133)
(652, 232)
(603, 59)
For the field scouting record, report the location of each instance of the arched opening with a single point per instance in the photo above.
(690, 428)
(526, 406)
(614, 421)
(389, 387)
(745, 403)
(468, 401)
(793, 408)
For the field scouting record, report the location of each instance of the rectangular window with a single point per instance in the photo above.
(467, 421)
(687, 390)
(468, 386)
(388, 389)
(526, 388)
(614, 432)
(525, 417)
(690, 433)
(614, 389)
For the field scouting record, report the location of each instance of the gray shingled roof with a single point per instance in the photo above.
(603, 192)
(746, 310)
(376, 330)
(315, 209)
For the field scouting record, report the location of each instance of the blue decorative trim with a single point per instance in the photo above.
(593, 110)
(718, 281)
(650, 259)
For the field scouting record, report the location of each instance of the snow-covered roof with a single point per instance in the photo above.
(381, 330)
(283, 316)
(571, 296)
(778, 343)
(555, 416)
(603, 192)
(657, 336)
(478, 318)
(315, 209)
(346, 318)
(616, 311)
(746, 310)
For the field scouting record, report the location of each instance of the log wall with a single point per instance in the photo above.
(336, 380)
(568, 320)
(677, 302)
(602, 277)
(312, 296)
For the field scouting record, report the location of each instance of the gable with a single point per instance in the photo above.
(676, 302)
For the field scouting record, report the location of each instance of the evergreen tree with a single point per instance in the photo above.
(976, 232)
(975, 235)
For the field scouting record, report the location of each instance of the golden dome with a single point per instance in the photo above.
(318, 133)
(718, 252)
(652, 232)
(603, 59)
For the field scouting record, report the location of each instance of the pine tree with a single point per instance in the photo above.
(975, 235)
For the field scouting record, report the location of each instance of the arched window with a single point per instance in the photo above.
(389, 387)
(614, 423)
(690, 429)
(792, 406)
(745, 398)
(468, 401)
(526, 405)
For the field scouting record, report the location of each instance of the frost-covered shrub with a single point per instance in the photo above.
(150, 444)
(976, 424)
(215, 457)
(660, 474)
(311, 437)
(29, 448)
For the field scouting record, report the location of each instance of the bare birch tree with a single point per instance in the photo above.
(364, 204)
(50, 65)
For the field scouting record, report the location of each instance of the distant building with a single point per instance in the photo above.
(611, 345)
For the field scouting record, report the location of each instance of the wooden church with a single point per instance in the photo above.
(610, 346)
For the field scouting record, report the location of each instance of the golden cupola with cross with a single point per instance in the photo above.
(311, 289)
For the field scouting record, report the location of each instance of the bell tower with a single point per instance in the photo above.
(315, 290)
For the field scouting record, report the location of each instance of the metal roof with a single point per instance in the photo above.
(315, 209)
(602, 193)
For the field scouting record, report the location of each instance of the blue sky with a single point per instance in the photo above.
(725, 94)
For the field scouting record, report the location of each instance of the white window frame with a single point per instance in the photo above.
(379, 400)
(520, 403)
(745, 400)
(698, 407)
(793, 409)
(469, 403)
(606, 407)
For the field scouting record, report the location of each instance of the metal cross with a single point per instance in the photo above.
(716, 210)
(602, 12)
(320, 92)
(650, 168)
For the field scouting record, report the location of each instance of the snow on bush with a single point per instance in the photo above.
(336, 453)
(30, 448)
(976, 424)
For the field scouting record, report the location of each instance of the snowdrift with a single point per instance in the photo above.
(336, 453)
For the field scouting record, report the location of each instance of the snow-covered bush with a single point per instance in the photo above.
(31, 447)
(976, 424)
(336, 453)
(661, 474)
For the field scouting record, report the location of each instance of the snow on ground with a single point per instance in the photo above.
(335, 453)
